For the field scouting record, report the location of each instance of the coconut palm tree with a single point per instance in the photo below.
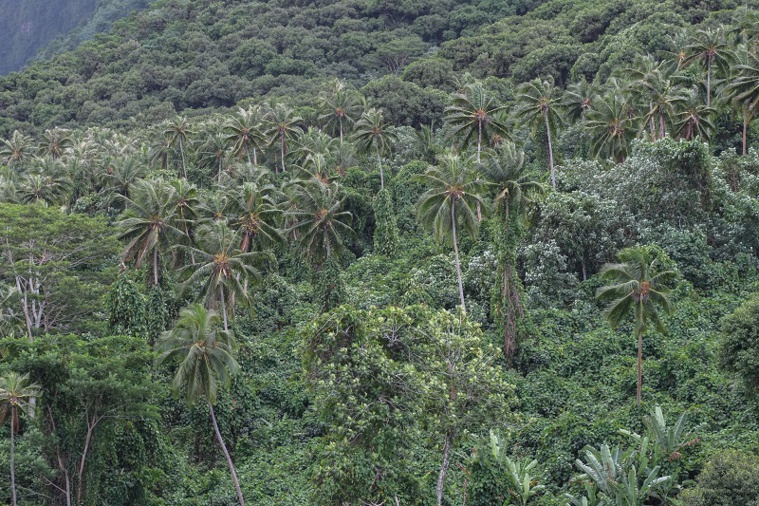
(256, 214)
(14, 392)
(692, 117)
(213, 153)
(539, 104)
(223, 269)
(710, 47)
(283, 125)
(743, 89)
(317, 219)
(578, 99)
(244, 133)
(341, 105)
(610, 126)
(149, 223)
(178, 132)
(515, 190)
(206, 363)
(450, 204)
(475, 115)
(639, 285)
(16, 150)
(55, 142)
(371, 131)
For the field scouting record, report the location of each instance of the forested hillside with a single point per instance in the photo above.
(32, 26)
(380, 253)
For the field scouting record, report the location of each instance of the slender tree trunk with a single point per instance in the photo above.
(226, 455)
(224, 310)
(282, 150)
(550, 152)
(708, 90)
(155, 265)
(479, 140)
(181, 152)
(662, 128)
(379, 161)
(326, 240)
(87, 440)
(640, 365)
(745, 128)
(247, 149)
(456, 255)
(255, 156)
(340, 120)
(14, 414)
(444, 466)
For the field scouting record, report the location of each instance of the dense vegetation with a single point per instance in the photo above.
(511, 263)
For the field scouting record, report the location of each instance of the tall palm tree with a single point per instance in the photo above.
(450, 203)
(653, 87)
(213, 153)
(692, 117)
(610, 127)
(244, 133)
(371, 131)
(283, 125)
(474, 114)
(223, 269)
(14, 392)
(17, 149)
(317, 219)
(341, 105)
(515, 190)
(55, 142)
(639, 284)
(178, 132)
(578, 99)
(709, 47)
(149, 223)
(539, 104)
(257, 214)
(743, 89)
(206, 355)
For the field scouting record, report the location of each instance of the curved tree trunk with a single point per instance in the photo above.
(550, 152)
(456, 254)
(226, 456)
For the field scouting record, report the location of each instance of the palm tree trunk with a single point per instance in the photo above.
(745, 128)
(282, 150)
(456, 255)
(550, 152)
(340, 120)
(662, 129)
(640, 365)
(255, 156)
(181, 151)
(379, 160)
(14, 414)
(479, 140)
(224, 311)
(444, 466)
(248, 151)
(155, 265)
(226, 455)
(708, 90)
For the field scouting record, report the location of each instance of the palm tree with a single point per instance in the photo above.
(317, 219)
(341, 105)
(55, 142)
(692, 118)
(652, 84)
(610, 127)
(578, 99)
(450, 203)
(539, 105)
(222, 267)
(516, 189)
(710, 47)
(149, 223)
(178, 131)
(207, 363)
(213, 153)
(371, 131)
(257, 214)
(244, 133)
(17, 149)
(639, 284)
(476, 115)
(14, 392)
(743, 89)
(283, 126)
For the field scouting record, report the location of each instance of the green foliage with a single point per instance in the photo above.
(739, 340)
(730, 477)
(386, 228)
